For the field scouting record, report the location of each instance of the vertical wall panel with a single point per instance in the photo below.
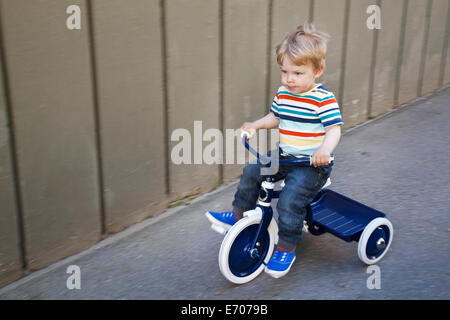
(414, 37)
(130, 91)
(51, 97)
(287, 15)
(358, 62)
(447, 68)
(435, 45)
(329, 17)
(245, 67)
(386, 59)
(10, 256)
(446, 51)
(193, 86)
(446, 77)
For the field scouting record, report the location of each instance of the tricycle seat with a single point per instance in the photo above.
(340, 215)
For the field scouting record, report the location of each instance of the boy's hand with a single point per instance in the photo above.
(321, 157)
(250, 128)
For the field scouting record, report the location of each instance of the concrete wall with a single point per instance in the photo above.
(87, 116)
(192, 30)
(245, 26)
(49, 85)
(434, 46)
(356, 79)
(10, 253)
(331, 16)
(387, 55)
(414, 41)
(130, 107)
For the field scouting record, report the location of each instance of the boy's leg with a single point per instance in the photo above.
(301, 186)
(247, 192)
(244, 199)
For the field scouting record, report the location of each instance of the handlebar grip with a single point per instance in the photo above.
(244, 133)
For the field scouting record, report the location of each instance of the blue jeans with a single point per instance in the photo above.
(302, 183)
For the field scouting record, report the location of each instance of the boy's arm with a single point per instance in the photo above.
(267, 122)
(322, 155)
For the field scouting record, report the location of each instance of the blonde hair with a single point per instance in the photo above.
(304, 45)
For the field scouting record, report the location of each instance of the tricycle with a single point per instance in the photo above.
(248, 245)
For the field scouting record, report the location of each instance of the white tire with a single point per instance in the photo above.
(248, 224)
(382, 226)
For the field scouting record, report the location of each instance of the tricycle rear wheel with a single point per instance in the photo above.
(375, 240)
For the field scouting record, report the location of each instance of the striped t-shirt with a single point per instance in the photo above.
(304, 117)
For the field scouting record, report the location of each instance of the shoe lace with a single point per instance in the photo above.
(228, 214)
(280, 255)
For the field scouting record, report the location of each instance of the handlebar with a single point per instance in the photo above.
(305, 160)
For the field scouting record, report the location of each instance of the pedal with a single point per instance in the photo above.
(219, 229)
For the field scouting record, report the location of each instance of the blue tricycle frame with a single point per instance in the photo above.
(248, 245)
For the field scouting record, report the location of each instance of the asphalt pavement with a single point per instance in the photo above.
(398, 163)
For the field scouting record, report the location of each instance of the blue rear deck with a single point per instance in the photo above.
(341, 216)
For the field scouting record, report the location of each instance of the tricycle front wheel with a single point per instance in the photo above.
(236, 262)
(375, 240)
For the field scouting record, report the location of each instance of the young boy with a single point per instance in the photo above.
(309, 122)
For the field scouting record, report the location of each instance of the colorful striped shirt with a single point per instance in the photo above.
(304, 117)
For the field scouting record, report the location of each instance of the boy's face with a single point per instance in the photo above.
(298, 79)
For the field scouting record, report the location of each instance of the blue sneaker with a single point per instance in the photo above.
(221, 221)
(280, 263)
